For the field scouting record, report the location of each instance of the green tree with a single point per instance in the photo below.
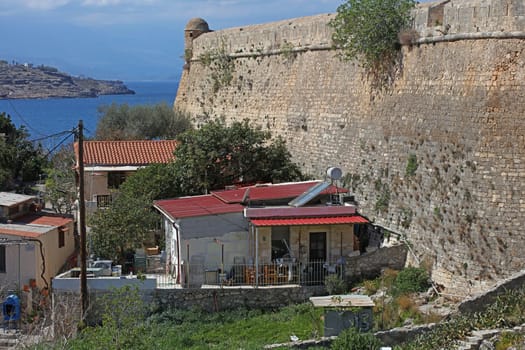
(123, 323)
(142, 122)
(208, 158)
(367, 30)
(130, 220)
(60, 181)
(217, 155)
(20, 161)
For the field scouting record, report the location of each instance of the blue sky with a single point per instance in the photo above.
(126, 39)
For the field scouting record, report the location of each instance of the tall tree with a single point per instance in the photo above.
(20, 161)
(208, 158)
(61, 189)
(142, 122)
(130, 219)
(217, 155)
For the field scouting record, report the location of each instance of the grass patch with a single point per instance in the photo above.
(197, 329)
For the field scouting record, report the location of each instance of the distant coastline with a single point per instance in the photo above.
(25, 81)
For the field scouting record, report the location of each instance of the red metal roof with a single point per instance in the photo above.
(296, 212)
(196, 206)
(272, 191)
(18, 233)
(139, 152)
(335, 220)
(45, 219)
(34, 225)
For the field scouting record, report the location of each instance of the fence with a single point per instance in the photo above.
(273, 274)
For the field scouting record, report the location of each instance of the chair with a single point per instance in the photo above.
(269, 274)
(249, 275)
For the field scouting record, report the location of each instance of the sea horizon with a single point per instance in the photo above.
(45, 117)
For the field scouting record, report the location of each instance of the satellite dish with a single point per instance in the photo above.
(334, 173)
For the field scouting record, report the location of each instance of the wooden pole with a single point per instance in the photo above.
(82, 222)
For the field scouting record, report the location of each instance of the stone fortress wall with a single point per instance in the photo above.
(437, 157)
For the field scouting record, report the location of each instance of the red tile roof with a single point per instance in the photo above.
(196, 206)
(140, 152)
(354, 219)
(272, 191)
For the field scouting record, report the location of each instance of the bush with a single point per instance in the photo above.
(352, 339)
(368, 29)
(411, 280)
(335, 285)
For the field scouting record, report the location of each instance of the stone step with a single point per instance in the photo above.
(8, 339)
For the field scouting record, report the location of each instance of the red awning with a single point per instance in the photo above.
(335, 220)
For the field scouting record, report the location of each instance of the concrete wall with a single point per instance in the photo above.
(55, 256)
(24, 260)
(455, 109)
(65, 284)
(20, 266)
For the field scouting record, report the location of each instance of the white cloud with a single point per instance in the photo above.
(41, 4)
(103, 3)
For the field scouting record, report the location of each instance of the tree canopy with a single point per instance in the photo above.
(217, 155)
(61, 189)
(130, 219)
(208, 158)
(20, 161)
(142, 122)
(368, 30)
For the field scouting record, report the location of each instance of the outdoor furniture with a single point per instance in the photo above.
(249, 275)
(269, 274)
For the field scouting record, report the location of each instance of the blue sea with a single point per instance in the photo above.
(44, 117)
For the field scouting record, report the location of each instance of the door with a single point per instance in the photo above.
(317, 246)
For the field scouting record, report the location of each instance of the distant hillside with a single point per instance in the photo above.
(28, 81)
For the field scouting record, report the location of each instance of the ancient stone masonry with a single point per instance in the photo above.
(438, 156)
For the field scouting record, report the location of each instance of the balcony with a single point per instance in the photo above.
(239, 275)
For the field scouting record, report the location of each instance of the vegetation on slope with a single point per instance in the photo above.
(20, 160)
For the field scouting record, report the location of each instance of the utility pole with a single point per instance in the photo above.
(82, 222)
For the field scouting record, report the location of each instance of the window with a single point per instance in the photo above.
(115, 179)
(61, 237)
(2, 258)
(280, 242)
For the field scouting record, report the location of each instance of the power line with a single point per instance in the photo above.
(61, 142)
(53, 135)
(22, 119)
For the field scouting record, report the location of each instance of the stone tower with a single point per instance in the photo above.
(194, 28)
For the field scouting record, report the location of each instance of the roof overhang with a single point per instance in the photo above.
(334, 220)
(112, 168)
(286, 211)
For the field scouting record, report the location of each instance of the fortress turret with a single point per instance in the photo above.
(194, 28)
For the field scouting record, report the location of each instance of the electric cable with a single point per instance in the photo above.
(25, 123)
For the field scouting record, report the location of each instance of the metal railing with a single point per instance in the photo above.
(273, 274)
(104, 200)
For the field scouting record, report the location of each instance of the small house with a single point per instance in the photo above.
(34, 245)
(107, 164)
(260, 235)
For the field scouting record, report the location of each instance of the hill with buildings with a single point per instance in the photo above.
(28, 81)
